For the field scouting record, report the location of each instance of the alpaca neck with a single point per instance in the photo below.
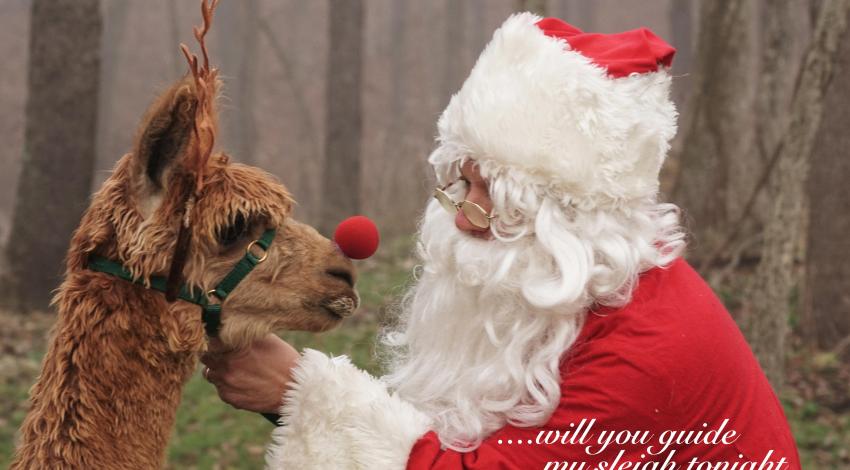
(112, 377)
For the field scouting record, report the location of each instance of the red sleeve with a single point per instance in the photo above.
(602, 382)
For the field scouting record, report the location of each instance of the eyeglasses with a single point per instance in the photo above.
(475, 214)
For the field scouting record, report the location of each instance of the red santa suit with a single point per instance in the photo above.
(585, 118)
(671, 360)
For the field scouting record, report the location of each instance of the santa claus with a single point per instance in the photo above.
(552, 322)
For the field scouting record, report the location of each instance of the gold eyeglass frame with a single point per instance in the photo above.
(445, 200)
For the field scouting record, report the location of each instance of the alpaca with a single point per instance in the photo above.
(120, 351)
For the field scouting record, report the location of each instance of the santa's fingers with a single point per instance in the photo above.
(218, 360)
(213, 361)
(223, 378)
(212, 375)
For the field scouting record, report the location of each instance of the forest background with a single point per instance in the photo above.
(760, 164)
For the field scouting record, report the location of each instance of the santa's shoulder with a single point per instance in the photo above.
(668, 302)
(675, 330)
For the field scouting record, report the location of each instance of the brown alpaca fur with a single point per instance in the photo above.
(120, 353)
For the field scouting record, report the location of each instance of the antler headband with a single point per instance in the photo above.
(205, 89)
(200, 148)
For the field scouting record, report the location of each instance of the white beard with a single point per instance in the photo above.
(482, 332)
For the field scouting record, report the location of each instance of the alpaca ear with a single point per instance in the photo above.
(165, 136)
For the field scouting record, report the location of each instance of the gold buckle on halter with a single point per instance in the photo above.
(259, 259)
(212, 294)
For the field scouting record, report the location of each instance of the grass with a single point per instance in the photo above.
(13, 394)
(817, 402)
(823, 436)
(209, 434)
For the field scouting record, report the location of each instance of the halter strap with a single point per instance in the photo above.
(210, 311)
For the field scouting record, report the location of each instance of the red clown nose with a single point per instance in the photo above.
(357, 237)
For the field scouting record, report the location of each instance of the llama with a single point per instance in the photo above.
(170, 216)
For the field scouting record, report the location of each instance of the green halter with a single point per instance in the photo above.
(211, 311)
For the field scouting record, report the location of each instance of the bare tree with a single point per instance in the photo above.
(239, 54)
(825, 321)
(114, 37)
(586, 14)
(534, 6)
(396, 140)
(296, 89)
(786, 31)
(454, 65)
(60, 143)
(177, 64)
(717, 128)
(344, 116)
(766, 308)
(681, 24)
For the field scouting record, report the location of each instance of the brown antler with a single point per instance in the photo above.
(201, 148)
(205, 86)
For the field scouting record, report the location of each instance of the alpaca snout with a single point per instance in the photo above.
(344, 306)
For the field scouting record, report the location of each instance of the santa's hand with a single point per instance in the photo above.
(253, 379)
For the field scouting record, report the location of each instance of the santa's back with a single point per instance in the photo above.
(673, 360)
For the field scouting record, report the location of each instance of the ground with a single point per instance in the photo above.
(212, 435)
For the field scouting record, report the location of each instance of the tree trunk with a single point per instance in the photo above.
(786, 34)
(586, 14)
(59, 157)
(825, 319)
(537, 7)
(239, 63)
(682, 32)
(395, 140)
(717, 128)
(109, 99)
(765, 311)
(343, 116)
(178, 65)
(454, 65)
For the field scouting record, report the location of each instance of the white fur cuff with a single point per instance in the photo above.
(338, 416)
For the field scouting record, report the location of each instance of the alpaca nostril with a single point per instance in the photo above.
(343, 274)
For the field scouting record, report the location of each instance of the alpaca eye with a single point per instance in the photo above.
(233, 232)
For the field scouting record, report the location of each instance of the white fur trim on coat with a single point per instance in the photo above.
(532, 103)
(336, 416)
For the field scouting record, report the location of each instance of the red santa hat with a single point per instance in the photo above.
(587, 113)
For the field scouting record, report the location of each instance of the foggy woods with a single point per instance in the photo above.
(339, 100)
